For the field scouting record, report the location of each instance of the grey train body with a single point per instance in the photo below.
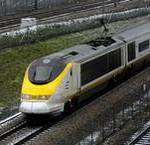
(95, 64)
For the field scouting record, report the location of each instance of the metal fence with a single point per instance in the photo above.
(8, 7)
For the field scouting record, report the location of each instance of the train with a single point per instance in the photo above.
(58, 82)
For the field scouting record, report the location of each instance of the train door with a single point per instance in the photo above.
(75, 78)
(71, 82)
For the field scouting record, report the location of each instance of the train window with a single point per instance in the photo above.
(94, 69)
(42, 73)
(100, 66)
(71, 72)
(144, 45)
(131, 51)
(114, 59)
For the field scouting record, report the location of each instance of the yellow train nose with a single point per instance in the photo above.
(47, 89)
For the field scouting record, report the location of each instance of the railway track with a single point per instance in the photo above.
(49, 13)
(18, 129)
(12, 23)
(20, 134)
(143, 138)
(8, 125)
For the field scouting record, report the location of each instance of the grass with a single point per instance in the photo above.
(14, 61)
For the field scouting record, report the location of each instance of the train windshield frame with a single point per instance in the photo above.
(42, 73)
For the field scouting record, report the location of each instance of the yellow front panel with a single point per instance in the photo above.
(46, 89)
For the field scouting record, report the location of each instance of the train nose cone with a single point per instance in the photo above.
(41, 107)
(25, 107)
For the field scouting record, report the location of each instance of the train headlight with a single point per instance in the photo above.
(43, 97)
(25, 97)
(57, 98)
(29, 97)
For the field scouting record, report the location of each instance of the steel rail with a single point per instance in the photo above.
(10, 123)
(12, 22)
(20, 134)
(10, 118)
(140, 138)
(41, 14)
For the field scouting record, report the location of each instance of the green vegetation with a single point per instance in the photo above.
(14, 61)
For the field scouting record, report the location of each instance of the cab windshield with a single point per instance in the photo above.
(42, 73)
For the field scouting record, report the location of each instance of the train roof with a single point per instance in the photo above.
(81, 53)
(130, 34)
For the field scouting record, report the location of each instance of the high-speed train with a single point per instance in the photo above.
(55, 83)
